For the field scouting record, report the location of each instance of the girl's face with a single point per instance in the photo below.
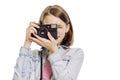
(62, 28)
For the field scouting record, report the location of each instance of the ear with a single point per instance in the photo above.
(67, 28)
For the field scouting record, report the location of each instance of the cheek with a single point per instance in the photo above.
(61, 32)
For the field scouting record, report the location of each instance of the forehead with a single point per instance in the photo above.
(50, 19)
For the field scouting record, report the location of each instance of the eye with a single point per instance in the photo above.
(59, 26)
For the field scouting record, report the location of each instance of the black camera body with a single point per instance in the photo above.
(45, 28)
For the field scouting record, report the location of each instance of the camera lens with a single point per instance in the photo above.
(43, 32)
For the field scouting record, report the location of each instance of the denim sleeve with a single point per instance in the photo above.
(25, 65)
(67, 67)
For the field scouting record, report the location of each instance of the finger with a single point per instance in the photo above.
(39, 38)
(38, 41)
(33, 29)
(50, 37)
(34, 24)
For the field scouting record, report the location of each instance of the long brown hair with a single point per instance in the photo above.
(59, 12)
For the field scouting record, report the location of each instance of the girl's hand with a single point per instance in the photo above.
(50, 44)
(30, 30)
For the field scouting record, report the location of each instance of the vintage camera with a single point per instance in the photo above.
(45, 28)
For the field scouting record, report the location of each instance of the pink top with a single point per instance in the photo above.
(47, 72)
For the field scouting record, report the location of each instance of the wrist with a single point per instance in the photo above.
(54, 50)
(27, 44)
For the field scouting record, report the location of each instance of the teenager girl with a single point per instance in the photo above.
(60, 62)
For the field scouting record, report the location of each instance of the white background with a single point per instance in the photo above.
(96, 26)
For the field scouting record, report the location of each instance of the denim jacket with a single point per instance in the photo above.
(66, 64)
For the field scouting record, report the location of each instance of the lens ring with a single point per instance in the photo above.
(43, 32)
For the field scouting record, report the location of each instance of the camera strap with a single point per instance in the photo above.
(41, 54)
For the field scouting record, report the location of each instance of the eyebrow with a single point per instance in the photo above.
(59, 25)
